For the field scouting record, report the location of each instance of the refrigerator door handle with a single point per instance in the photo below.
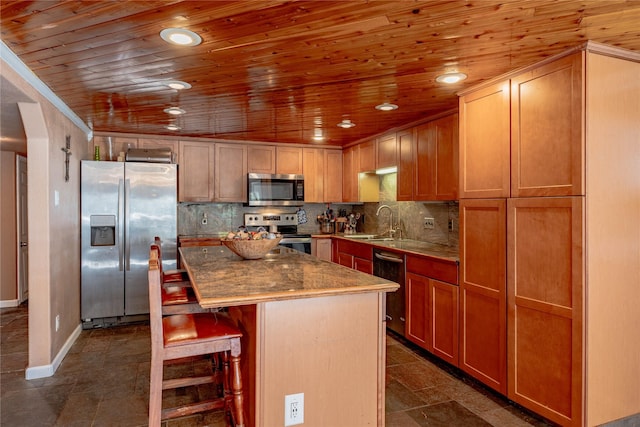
(120, 224)
(127, 240)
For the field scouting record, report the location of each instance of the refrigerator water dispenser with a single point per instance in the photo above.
(103, 230)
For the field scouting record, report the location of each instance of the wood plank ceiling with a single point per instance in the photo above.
(282, 70)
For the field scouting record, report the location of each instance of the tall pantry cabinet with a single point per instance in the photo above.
(550, 236)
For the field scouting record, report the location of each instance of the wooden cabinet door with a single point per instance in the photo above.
(545, 306)
(321, 247)
(367, 156)
(333, 176)
(436, 160)
(261, 159)
(483, 299)
(231, 173)
(405, 178)
(349, 175)
(386, 151)
(195, 179)
(546, 130)
(446, 160)
(484, 142)
(364, 265)
(161, 143)
(345, 259)
(313, 171)
(424, 186)
(443, 303)
(417, 310)
(289, 160)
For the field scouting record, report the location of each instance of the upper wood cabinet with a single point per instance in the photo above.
(428, 161)
(289, 160)
(386, 151)
(367, 156)
(350, 174)
(546, 130)
(313, 171)
(523, 137)
(261, 159)
(484, 142)
(333, 176)
(230, 173)
(406, 164)
(195, 179)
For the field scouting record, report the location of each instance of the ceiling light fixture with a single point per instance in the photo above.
(173, 127)
(180, 36)
(346, 124)
(317, 135)
(386, 107)
(178, 85)
(451, 78)
(174, 111)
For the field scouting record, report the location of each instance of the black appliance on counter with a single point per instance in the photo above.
(283, 223)
(390, 266)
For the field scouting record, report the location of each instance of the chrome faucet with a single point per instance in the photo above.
(391, 230)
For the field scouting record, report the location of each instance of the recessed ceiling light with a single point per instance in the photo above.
(175, 111)
(178, 85)
(317, 135)
(386, 107)
(173, 127)
(346, 124)
(180, 36)
(451, 78)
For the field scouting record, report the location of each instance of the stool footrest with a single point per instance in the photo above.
(193, 408)
(187, 381)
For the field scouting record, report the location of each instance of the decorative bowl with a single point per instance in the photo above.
(251, 249)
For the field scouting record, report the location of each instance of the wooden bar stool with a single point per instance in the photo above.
(180, 336)
(177, 293)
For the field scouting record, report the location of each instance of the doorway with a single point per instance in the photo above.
(23, 228)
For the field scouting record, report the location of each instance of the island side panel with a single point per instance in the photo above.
(329, 348)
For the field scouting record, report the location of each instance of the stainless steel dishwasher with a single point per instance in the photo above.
(391, 266)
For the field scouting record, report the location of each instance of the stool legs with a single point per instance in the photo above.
(155, 391)
(236, 389)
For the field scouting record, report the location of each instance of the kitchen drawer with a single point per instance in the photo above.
(360, 250)
(198, 241)
(445, 271)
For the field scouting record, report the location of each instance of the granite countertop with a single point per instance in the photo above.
(221, 278)
(411, 246)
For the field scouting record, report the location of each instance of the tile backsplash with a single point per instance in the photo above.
(223, 217)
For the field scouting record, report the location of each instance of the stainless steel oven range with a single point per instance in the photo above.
(283, 223)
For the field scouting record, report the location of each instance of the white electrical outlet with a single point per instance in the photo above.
(293, 409)
(429, 223)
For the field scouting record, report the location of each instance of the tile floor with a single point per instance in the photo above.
(104, 381)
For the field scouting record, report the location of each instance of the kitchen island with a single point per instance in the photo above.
(310, 327)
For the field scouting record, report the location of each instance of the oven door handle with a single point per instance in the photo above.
(389, 257)
(289, 240)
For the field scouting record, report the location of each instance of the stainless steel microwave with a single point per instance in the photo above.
(275, 190)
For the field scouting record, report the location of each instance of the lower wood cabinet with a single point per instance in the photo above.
(483, 291)
(432, 306)
(321, 247)
(358, 256)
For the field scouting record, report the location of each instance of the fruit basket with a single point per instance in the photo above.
(251, 249)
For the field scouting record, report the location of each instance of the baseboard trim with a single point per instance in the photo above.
(35, 372)
(9, 303)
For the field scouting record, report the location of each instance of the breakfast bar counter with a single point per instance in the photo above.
(310, 326)
(222, 278)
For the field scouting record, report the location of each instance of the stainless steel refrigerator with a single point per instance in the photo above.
(124, 206)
